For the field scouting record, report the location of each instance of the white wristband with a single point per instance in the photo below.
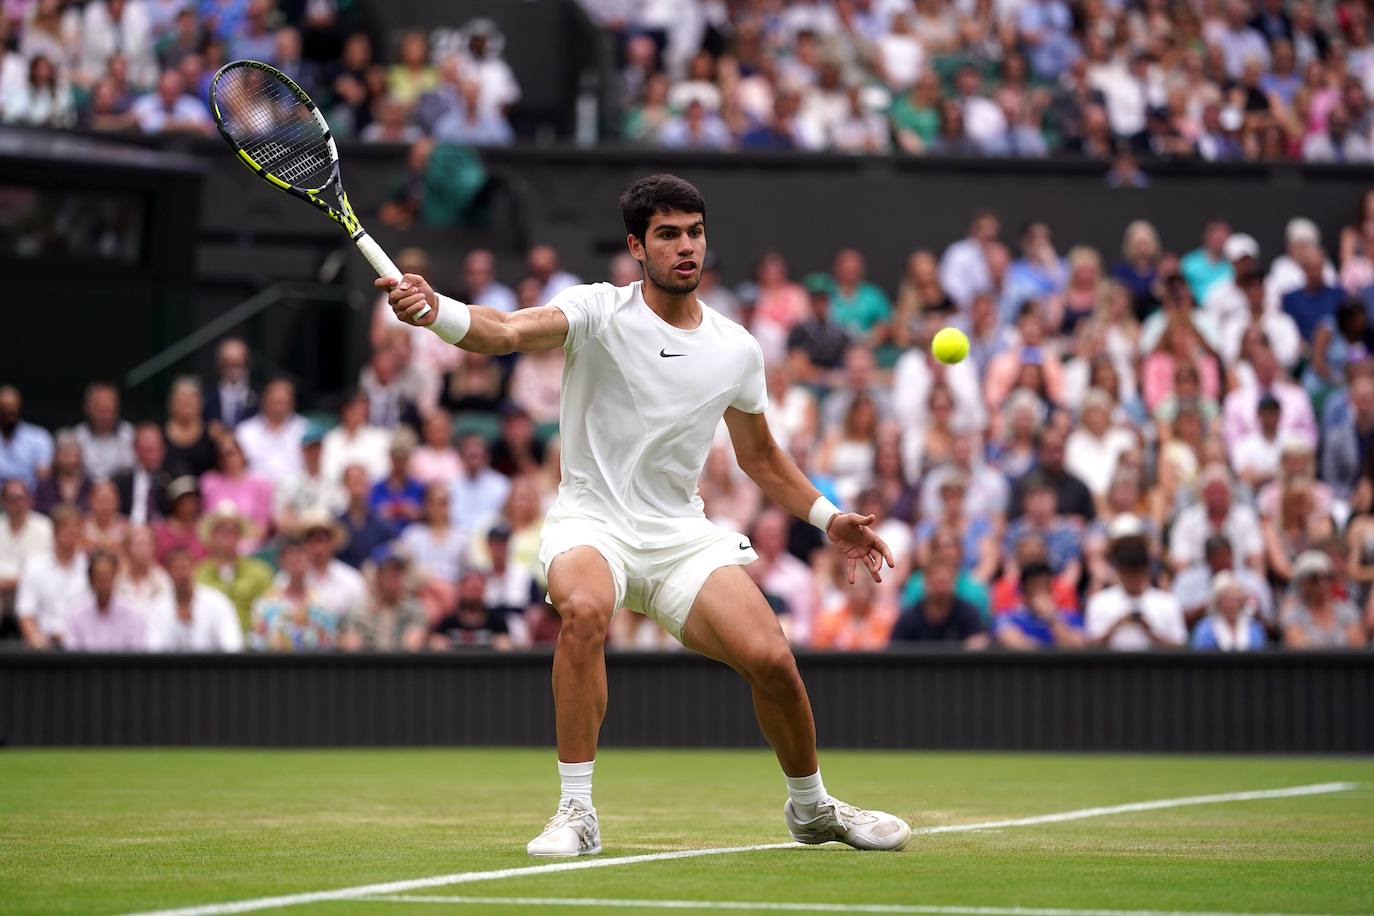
(453, 320)
(822, 511)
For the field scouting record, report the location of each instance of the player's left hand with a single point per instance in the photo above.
(851, 534)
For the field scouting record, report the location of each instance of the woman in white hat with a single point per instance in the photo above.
(1314, 619)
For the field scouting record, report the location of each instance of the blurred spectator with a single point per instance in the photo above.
(1337, 340)
(143, 490)
(856, 305)
(536, 383)
(179, 529)
(251, 492)
(251, 36)
(855, 618)
(1277, 327)
(392, 125)
(142, 583)
(482, 58)
(1206, 265)
(24, 535)
(1133, 614)
(107, 442)
(68, 484)
(231, 400)
(1230, 624)
(437, 546)
(41, 100)
(355, 441)
(1040, 622)
(478, 491)
(1217, 513)
(309, 488)
(397, 498)
(1315, 300)
(53, 584)
(354, 83)
(1286, 274)
(1139, 265)
(779, 573)
(171, 109)
(271, 440)
(105, 529)
(817, 341)
(1298, 526)
(473, 122)
(334, 585)
(226, 532)
(190, 447)
(1349, 446)
(1072, 497)
(390, 388)
(1063, 542)
(511, 589)
(846, 454)
(964, 269)
(695, 128)
(1091, 451)
(435, 459)
(940, 616)
(390, 620)
(1029, 360)
(1193, 585)
(193, 617)
(1312, 618)
(104, 622)
(364, 530)
(290, 616)
(471, 623)
(517, 450)
(542, 264)
(26, 451)
(412, 75)
(480, 284)
(1240, 410)
(1256, 457)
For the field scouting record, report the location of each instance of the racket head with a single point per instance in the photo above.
(274, 127)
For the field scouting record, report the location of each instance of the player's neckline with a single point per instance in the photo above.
(639, 293)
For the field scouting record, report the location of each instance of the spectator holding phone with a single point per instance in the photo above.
(1133, 614)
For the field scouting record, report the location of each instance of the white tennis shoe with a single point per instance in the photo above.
(834, 820)
(572, 831)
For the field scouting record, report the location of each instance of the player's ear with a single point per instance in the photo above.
(636, 246)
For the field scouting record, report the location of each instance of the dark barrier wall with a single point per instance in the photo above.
(1289, 703)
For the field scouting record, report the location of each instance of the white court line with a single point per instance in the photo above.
(791, 907)
(415, 884)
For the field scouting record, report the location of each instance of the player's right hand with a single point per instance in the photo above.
(409, 296)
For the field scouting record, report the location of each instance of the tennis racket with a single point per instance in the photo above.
(279, 133)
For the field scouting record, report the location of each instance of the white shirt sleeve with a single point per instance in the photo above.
(26, 599)
(1098, 618)
(752, 396)
(225, 626)
(588, 308)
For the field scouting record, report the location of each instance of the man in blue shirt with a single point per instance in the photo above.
(1314, 300)
(1039, 622)
(25, 450)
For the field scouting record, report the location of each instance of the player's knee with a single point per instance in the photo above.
(585, 621)
(772, 668)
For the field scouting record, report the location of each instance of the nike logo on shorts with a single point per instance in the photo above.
(744, 546)
(664, 353)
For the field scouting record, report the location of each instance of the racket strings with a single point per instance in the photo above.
(274, 127)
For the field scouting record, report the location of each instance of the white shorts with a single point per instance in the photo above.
(659, 582)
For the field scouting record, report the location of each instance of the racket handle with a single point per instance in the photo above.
(382, 264)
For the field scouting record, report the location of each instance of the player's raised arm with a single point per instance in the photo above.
(475, 327)
(784, 483)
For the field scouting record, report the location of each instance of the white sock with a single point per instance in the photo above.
(806, 792)
(577, 781)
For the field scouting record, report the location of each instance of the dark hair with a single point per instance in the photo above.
(101, 556)
(661, 193)
(1215, 544)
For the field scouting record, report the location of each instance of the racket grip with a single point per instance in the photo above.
(382, 264)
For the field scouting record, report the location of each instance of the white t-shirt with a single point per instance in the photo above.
(49, 591)
(1191, 530)
(641, 402)
(33, 539)
(1160, 609)
(213, 627)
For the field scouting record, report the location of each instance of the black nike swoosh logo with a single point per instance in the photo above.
(664, 353)
(744, 546)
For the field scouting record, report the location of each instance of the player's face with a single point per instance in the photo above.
(672, 251)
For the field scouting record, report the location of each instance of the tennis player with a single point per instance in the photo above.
(650, 371)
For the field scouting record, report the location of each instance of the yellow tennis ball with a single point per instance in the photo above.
(949, 346)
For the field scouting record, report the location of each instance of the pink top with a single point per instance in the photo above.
(1157, 378)
(430, 465)
(166, 536)
(119, 629)
(251, 494)
(784, 306)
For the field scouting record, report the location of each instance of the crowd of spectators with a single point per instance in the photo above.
(1165, 446)
(146, 65)
(1209, 79)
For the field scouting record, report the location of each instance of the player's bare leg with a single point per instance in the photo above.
(583, 593)
(732, 623)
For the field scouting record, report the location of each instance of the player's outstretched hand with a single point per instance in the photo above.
(851, 534)
(408, 296)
